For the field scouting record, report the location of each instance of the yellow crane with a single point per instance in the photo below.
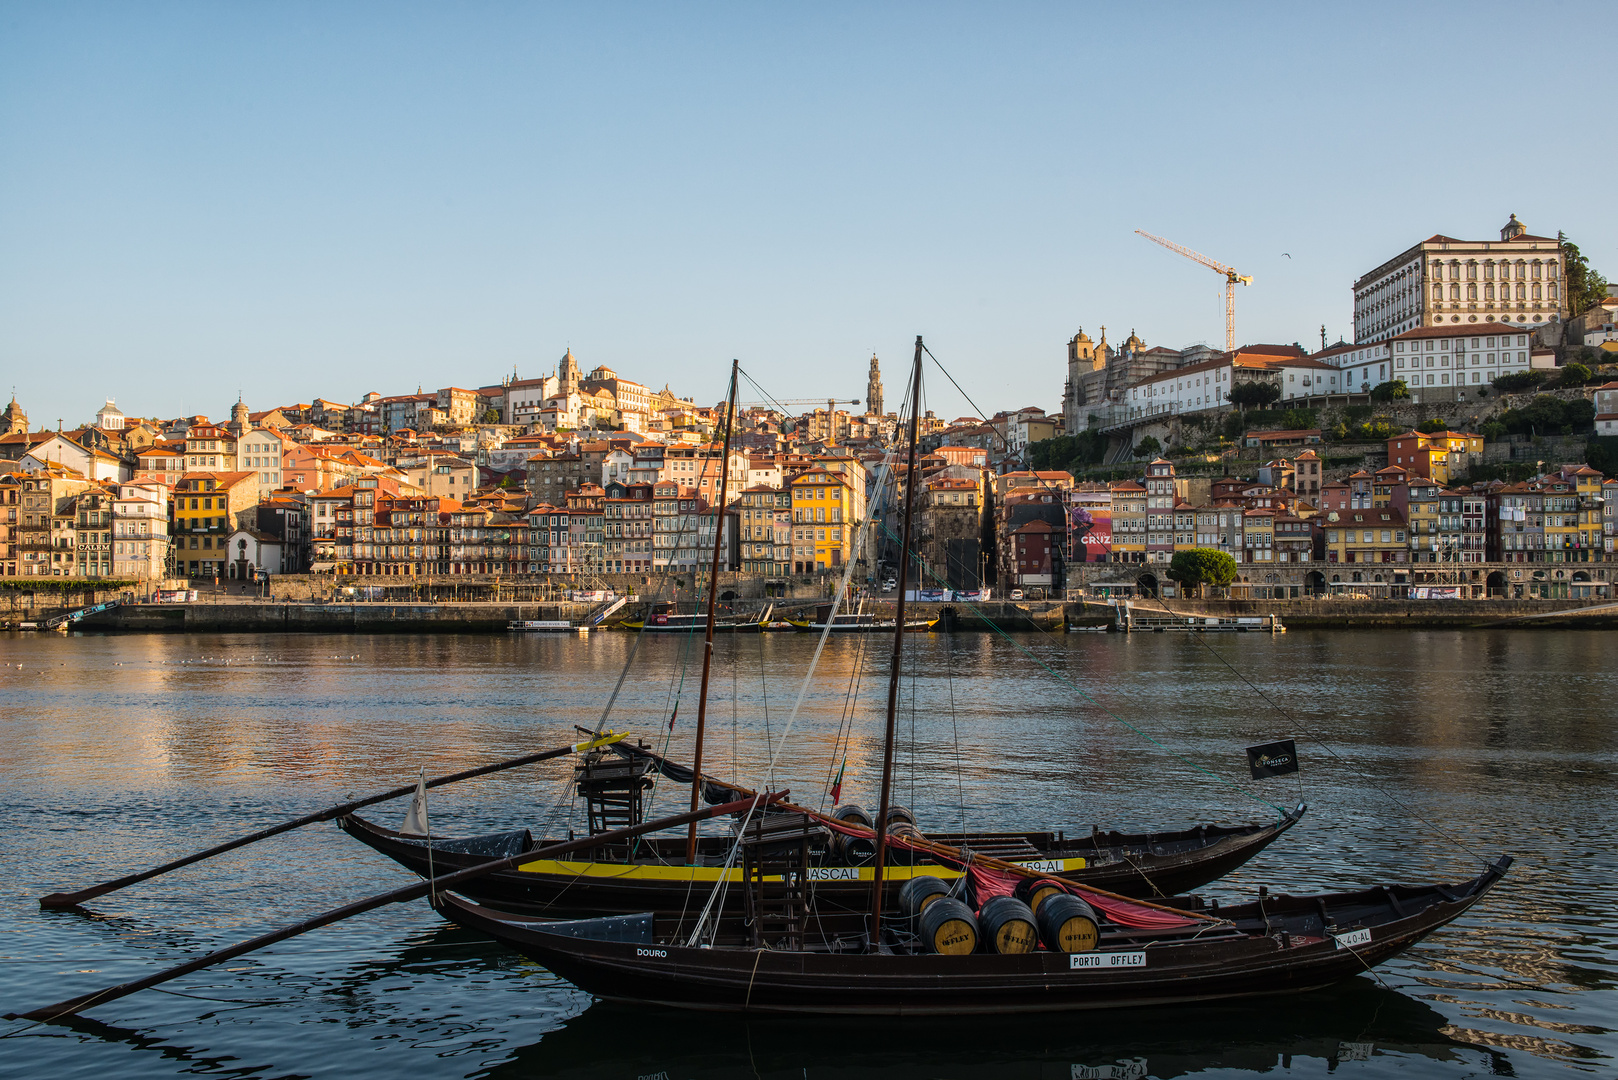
(1231, 279)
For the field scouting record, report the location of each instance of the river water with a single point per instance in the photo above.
(1420, 751)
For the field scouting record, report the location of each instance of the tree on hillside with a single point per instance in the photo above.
(1202, 566)
(1393, 390)
(491, 415)
(1254, 395)
(1148, 447)
(1585, 287)
(1575, 375)
(1516, 382)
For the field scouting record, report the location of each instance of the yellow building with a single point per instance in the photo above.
(823, 521)
(206, 505)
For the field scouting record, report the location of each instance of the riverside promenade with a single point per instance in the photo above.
(246, 615)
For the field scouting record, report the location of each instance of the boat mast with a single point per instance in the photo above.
(893, 673)
(713, 589)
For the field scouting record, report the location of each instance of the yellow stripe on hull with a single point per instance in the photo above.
(713, 874)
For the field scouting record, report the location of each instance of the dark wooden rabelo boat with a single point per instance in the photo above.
(1033, 944)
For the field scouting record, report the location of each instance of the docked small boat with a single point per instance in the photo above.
(857, 622)
(656, 876)
(665, 620)
(951, 965)
(545, 626)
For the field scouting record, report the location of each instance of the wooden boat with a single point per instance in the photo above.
(665, 620)
(1277, 944)
(857, 622)
(656, 878)
(1047, 945)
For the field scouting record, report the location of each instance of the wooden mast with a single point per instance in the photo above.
(893, 673)
(713, 589)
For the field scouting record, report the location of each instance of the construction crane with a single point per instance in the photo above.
(830, 403)
(1231, 279)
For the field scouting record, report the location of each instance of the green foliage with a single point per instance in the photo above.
(1575, 375)
(1202, 566)
(1585, 287)
(1371, 431)
(64, 586)
(1601, 453)
(1481, 392)
(1234, 424)
(491, 415)
(1432, 425)
(1148, 447)
(1492, 430)
(1254, 394)
(1393, 390)
(1549, 415)
(1518, 382)
(1358, 414)
(1279, 419)
(1071, 453)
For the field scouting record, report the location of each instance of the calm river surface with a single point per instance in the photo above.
(119, 752)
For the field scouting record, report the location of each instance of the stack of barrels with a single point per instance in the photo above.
(1042, 911)
(859, 850)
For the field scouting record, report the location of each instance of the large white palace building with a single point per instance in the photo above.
(1443, 281)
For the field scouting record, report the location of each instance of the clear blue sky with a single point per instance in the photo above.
(296, 200)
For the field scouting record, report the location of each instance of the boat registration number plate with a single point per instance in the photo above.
(1352, 938)
(1052, 866)
(1076, 961)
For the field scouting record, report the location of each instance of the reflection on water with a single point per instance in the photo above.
(118, 752)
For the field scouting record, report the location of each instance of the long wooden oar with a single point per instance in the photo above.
(73, 899)
(408, 892)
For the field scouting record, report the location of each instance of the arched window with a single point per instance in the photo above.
(1438, 292)
(1454, 292)
(1471, 292)
(1536, 269)
(1552, 288)
(1488, 292)
(1471, 271)
(1522, 292)
(1536, 292)
(1488, 270)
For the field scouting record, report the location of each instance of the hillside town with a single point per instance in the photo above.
(1453, 449)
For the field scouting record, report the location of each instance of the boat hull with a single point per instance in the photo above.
(1280, 945)
(1143, 865)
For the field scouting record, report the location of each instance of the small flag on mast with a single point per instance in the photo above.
(837, 785)
(415, 822)
(673, 714)
(1273, 759)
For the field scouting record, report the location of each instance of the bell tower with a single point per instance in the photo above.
(873, 390)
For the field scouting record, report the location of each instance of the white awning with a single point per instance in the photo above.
(315, 568)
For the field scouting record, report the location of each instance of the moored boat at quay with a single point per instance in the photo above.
(658, 878)
(1276, 944)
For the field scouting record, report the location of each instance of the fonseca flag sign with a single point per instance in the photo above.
(1272, 759)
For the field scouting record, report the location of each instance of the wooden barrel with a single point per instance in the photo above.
(918, 893)
(1035, 891)
(1007, 925)
(948, 927)
(897, 814)
(1067, 924)
(854, 850)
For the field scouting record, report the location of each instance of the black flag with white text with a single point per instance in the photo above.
(1272, 759)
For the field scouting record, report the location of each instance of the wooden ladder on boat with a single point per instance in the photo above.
(775, 877)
